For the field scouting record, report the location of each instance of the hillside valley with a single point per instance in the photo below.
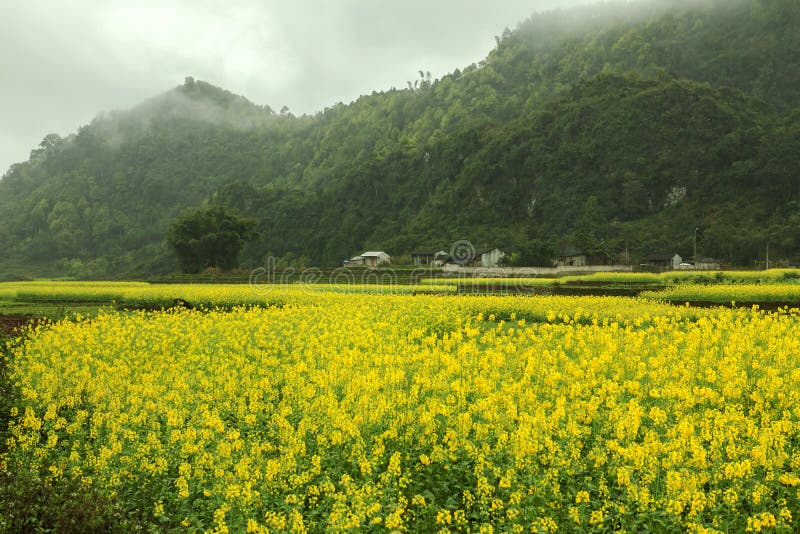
(619, 126)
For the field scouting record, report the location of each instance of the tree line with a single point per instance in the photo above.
(608, 127)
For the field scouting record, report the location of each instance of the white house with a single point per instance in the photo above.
(489, 257)
(571, 257)
(376, 258)
(428, 257)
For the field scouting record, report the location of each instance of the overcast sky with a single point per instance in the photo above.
(63, 62)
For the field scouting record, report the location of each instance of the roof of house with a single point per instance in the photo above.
(662, 256)
(374, 254)
(482, 251)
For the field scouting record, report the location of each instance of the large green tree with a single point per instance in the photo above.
(209, 237)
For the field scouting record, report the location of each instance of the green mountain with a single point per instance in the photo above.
(611, 127)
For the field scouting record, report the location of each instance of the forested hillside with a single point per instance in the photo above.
(622, 125)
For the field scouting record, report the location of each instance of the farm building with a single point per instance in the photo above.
(703, 264)
(375, 258)
(441, 258)
(355, 260)
(707, 264)
(664, 261)
(571, 257)
(422, 257)
(488, 257)
(427, 257)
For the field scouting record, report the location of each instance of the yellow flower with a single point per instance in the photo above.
(315, 401)
(596, 518)
(443, 517)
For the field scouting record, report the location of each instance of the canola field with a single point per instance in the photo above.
(788, 294)
(330, 411)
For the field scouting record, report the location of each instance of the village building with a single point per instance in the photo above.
(375, 258)
(707, 264)
(441, 258)
(354, 261)
(664, 261)
(488, 257)
(428, 257)
(422, 257)
(571, 257)
(702, 264)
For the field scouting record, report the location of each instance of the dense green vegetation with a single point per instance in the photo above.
(210, 237)
(602, 126)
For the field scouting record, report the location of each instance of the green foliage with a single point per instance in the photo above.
(209, 237)
(8, 392)
(601, 126)
(29, 502)
(535, 253)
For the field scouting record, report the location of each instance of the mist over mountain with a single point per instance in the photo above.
(619, 125)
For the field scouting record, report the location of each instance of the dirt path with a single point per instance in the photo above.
(12, 325)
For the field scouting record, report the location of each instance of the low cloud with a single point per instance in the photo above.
(65, 62)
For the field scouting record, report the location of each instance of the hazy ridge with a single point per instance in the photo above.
(606, 126)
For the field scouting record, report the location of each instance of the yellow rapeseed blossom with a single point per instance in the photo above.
(321, 410)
